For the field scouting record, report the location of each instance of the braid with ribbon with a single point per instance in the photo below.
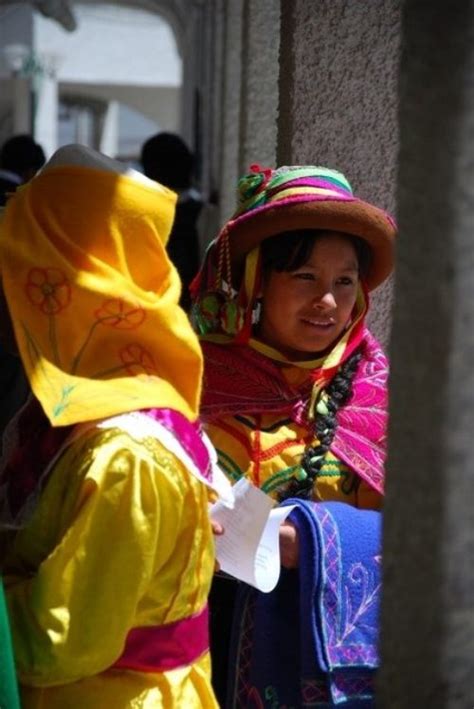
(331, 399)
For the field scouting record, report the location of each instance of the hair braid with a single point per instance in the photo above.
(339, 391)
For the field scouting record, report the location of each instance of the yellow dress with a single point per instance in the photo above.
(266, 450)
(127, 512)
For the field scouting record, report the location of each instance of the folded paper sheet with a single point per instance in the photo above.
(249, 549)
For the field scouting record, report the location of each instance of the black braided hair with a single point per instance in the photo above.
(338, 391)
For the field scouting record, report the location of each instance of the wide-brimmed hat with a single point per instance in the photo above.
(307, 197)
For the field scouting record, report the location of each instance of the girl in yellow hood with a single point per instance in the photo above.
(106, 543)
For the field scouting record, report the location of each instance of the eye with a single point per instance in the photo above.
(304, 276)
(345, 281)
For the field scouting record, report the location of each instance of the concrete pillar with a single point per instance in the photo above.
(203, 65)
(21, 104)
(191, 49)
(212, 122)
(211, 95)
(16, 42)
(45, 114)
(259, 90)
(109, 130)
(230, 111)
(338, 99)
(83, 126)
(428, 604)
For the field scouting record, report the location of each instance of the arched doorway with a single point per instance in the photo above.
(117, 77)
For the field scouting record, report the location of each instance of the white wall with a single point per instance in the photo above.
(112, 44)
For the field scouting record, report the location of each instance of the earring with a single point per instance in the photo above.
(257, 312)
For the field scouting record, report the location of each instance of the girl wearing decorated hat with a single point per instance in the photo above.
(107, 549)
(295, 400)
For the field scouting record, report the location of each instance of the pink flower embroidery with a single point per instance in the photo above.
(116, 313)
(137, 360)
(48, 289)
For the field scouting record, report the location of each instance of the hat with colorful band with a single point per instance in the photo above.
(272, 202)
(307, 197)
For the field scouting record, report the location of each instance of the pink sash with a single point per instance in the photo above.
(159, 648)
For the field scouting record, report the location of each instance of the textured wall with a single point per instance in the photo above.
(260, 71)
(428, 608)
(202, 115)
(338, 99)
(230, 133)
(211, 42)
(190, 43)
(211, 105)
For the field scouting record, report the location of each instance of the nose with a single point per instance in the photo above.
(325, 300)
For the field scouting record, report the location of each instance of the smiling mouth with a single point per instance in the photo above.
(325, 324)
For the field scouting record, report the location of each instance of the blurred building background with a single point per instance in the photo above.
(107, 77)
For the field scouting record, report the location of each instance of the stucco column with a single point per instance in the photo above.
(428, 604)
(203, 63)
(259, 90)
(230, 110)
(21, 104)
(211, 78)
(109, 129)
(83, 126)
(338, 99)
(46, 102)
(190, 47)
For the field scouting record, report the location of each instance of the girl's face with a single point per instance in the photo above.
(305, 311)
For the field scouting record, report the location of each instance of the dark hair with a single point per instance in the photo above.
(21, 154)
(289, 250)
(338, 391)
(167, 159)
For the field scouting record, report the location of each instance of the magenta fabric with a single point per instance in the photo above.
(188, 434)
(162, 648)
(361, 434)
(239, 380)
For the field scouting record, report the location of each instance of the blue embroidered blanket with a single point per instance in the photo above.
(312, 642)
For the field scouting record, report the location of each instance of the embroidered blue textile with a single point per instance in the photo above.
(312, 642)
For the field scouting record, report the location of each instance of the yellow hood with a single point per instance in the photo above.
(94, 297)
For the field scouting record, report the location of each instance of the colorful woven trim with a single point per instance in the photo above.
(263, 186)
(217, 307)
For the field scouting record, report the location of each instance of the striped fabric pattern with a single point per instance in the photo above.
(265, 186)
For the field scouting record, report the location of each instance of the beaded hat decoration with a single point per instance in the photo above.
(270, 202)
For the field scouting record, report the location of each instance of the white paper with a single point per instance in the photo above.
(249, 549)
